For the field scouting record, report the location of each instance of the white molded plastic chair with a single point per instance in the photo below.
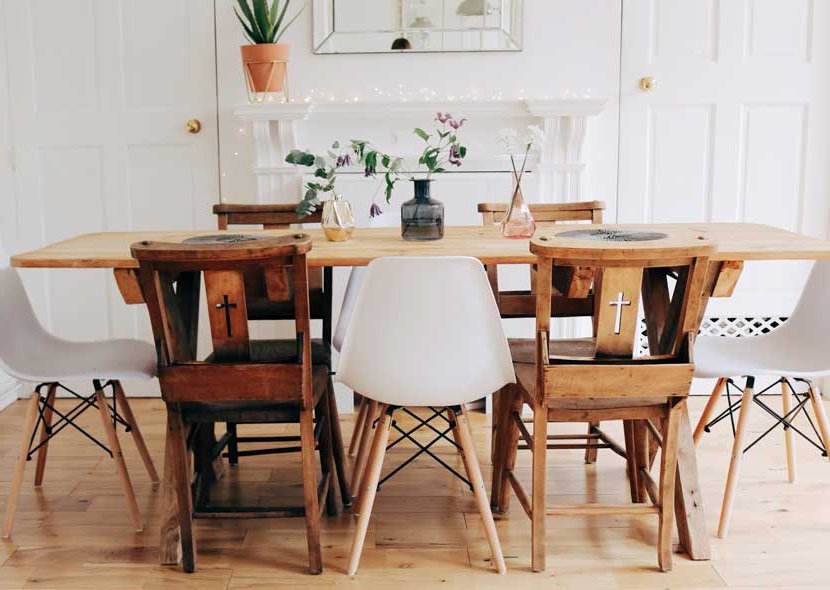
(30, 353)
(425, 332)
(795, 351)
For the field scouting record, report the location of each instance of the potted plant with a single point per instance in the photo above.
(422, 218)
(264, 60)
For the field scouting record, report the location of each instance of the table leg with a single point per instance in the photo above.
(169, 539)
(691, 520)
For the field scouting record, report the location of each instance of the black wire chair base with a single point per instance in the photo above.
(425, 449)
(86, 402)
(785, 420)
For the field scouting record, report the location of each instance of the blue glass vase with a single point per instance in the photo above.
(422, 218)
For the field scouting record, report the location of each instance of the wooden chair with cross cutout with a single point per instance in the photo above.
(242, 380)
(601, 378)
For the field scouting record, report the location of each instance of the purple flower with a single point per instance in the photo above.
(456, 124)
(343, 160)
(375, 210)
(455, 156)
(442, 117)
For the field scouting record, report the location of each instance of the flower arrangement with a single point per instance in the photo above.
(443, 148)
(516, 149)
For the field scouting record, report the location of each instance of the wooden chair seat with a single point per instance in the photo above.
(285, 351)
(523, 350)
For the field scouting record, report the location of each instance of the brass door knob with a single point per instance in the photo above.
(647, 84)
(193, 126)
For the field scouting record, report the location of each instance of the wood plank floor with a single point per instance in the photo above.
(74, 532)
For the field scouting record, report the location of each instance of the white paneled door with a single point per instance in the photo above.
(725, 116)
(101, 91)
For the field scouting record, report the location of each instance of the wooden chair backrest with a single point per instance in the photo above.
(170, 276)
(572, 286)
(547, 213)
(269, 216)
(626, 275)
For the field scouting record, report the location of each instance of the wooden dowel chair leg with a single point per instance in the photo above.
(789, 443)
(357, 433)
(462, 427)
(20, 466)
(363, 449)
(735, 461)
(44, 433)
(118, 458)
(138, 439)
(709, 409)
(539, 471)
(370, 487)
(591, 452)
(821, 417)
(312, 508)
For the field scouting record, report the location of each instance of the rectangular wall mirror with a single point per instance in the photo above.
(389, 26)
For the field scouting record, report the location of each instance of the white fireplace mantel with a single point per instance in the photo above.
(559, 169)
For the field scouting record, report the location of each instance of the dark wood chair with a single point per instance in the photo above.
(242, 380)
(260, 307)
(603, 379)
(571, 295)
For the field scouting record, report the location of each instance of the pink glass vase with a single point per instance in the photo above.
(517, 222)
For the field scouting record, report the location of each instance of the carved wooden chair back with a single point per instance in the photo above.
(545, 214)
(170, 276)
(627, 275)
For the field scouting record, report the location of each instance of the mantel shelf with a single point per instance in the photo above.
(524, 108)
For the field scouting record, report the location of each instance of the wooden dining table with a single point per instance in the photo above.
(735, 244)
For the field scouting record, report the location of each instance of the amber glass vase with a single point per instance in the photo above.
(517, 222)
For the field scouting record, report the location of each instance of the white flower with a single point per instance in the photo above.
(535, 137)
(507, 137)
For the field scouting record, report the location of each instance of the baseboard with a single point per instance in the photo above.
(9, 391)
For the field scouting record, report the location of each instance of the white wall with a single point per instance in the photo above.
(569, 47)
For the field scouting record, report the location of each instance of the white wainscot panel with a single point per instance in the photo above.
(772, 167)
(679, 172)
(684, 30)
(160, 186)
(63, 38)
(779, 28)
(155, 66)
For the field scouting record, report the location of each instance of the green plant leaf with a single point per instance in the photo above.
(279, 31)
(462, 151)
(257, 36)
(248, 32)
(421, 133)
(439, 169)
(275, 7)
(321, 173)
(300, 158)
(261, 14)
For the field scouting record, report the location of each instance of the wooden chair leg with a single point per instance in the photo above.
(631, 460)
(468, 450)
(642, 456)
(591, 453)
(821, 417)
(789, 442)
(20, 466)
(370, 483)
(539, 471)
(363, 449)
(509, 448)
(709, 409)
(138, 439)
(668, 471)
(339, 453)
(118, 458)
(357, 433)
(735, 461)
(498, 448)
(325, 446)
(233, 444)
(45, 429)
(177, 453)
(312, 509)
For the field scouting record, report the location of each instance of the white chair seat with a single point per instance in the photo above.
(781, 354)
(60, 360)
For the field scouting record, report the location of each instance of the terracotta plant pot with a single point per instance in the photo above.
(264, 66)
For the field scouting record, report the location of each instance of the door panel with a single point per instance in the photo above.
(100, 91)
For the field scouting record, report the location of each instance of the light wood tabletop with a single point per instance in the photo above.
(733, 241)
